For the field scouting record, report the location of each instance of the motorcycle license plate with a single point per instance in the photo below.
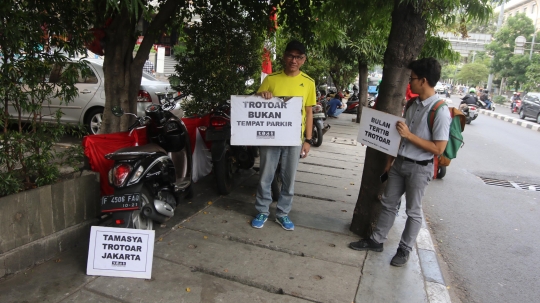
(131, 201)
(318, 115)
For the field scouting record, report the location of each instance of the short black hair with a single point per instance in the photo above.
(428, 68)
(296, 45)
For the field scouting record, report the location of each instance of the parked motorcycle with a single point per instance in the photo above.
(226, 159)
(319, 128)
(352, 104)
(150, 180)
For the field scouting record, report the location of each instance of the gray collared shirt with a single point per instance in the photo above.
(416, 119)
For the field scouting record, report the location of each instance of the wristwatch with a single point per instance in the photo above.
(310, 141)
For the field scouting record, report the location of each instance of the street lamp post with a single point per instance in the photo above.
(534, 33)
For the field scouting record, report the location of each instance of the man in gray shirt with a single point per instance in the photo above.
(412, 170)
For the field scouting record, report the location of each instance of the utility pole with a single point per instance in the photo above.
(499, 24)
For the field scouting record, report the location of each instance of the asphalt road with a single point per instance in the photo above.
(488, 236)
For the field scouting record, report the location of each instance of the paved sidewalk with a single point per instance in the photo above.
(209, 252)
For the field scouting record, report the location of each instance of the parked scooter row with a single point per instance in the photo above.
(149, 180)
(226, 158)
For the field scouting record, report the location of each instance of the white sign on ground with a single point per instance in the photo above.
(378, 131)
(261, 122)
(120, 252)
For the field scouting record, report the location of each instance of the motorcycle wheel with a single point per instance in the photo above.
(224, 170)
(469, 120)
(139, 221)
(317, 135)
(441, 172)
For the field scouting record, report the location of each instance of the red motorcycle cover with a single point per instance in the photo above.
(97, 146)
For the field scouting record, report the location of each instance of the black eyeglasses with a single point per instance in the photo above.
(411, 78)
(292, 57)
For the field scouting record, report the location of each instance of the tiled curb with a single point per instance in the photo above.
(435, 286)
(517, 121)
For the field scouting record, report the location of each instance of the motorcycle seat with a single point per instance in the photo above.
(134, 152)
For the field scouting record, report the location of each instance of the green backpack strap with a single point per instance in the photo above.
(433, 112)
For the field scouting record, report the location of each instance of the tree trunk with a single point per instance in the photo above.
(122, 71)
(407, 36)
(362, 87)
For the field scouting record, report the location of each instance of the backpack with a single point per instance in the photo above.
(457, 126)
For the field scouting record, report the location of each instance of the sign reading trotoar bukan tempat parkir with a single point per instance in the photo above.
(274, 122)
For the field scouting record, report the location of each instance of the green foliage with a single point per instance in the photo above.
(499, 99)
(532, 75)
(136, 49)
(33, 70)
(439, 48)
(504, 62)
(473, 74)
(223, 51)
(487, 26)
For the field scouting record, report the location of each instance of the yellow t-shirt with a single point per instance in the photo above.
(302, 85)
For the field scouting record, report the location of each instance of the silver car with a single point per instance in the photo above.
(87, 108)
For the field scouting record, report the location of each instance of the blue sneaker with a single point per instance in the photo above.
(259, 220)
(285, 222)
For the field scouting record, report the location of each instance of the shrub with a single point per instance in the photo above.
(218, 55)
(500, 99)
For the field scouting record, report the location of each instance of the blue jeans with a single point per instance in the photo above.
(337, 112)
(270, 158)
(488, 104)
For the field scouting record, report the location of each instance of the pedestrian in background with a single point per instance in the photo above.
(148, 67)
(412, 170)
(288, 82)
(336, 106)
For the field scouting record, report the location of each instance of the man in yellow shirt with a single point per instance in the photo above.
(288, 82)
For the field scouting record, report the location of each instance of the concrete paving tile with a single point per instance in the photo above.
(49, 282)
(330, 216)
(230, 218)
(177, 283)
(303, 277)
(382, 282)
(345, 193)
(84, 296)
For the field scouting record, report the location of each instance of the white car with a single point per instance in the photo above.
(87, 108)
(439, 88)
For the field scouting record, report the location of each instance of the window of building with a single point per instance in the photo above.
(525, 11)
(533, 9)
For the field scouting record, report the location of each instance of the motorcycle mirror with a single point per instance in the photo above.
(117, 111)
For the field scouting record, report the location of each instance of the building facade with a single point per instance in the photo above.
(527, 7)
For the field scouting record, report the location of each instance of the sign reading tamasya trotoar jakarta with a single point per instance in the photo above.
(120, 252)
(261, 122)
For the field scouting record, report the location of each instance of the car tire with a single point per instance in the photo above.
(93, 120)
(538, 119)
(522, 114)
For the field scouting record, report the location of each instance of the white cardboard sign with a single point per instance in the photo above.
(260, 122)
(120, 252)
(378, 131)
